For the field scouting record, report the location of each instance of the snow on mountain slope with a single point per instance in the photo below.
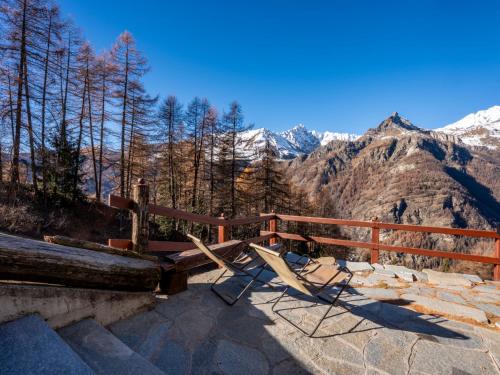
(477, 129)
(301, 138)
(252, 142)
(288, 144)
(327, 137)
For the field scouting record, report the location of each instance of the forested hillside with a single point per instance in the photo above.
(77, 124)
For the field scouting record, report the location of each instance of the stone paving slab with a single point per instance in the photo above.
(445, 278)
(356, 266)
(361, 336)
(402, 272)
(447, 308)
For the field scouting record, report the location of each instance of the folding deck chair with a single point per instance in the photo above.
(239, 266)
(311, 280)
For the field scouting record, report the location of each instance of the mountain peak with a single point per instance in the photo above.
(395, 124)
(481, 128)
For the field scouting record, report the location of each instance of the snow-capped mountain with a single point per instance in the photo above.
(301, 139)
(288, 144)
(477, 129)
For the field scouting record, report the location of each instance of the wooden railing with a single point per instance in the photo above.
(141, 209)
(375, 246)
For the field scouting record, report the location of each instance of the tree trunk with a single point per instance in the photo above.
(171, 159)
(17, 138)
(30, 129)
(11, 111)
(101, 139)
(44, 107)
(36, 261)
(91, 129)
(130, 155)
(79, 142)
(124, 122)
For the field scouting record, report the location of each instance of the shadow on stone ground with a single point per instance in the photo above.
(208, 337)
(358, 334)
(203, 335)
(308, 311)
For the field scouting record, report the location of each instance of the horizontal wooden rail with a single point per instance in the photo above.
(402, 227)
(323, 240)
(381, 246)
(125, 203)
(153, 246)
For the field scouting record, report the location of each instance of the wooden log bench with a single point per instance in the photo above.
(25, 259)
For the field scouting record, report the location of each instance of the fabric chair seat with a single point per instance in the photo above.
(319, 275)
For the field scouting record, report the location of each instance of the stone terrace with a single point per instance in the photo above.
(195, 332)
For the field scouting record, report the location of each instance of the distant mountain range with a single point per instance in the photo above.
(481, 129)
(288, 144)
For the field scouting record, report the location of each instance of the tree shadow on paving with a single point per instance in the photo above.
(363, 313)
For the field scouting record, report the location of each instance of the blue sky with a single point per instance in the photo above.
(339, 65)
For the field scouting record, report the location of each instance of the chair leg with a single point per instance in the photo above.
(332, 303)
(232, 301)
(334, 300)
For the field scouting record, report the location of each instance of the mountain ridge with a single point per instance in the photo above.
(479, 129)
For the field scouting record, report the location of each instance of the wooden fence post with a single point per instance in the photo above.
(273, 227)
(375, 242)
(496, 269)
(140, 217)
(222, 232)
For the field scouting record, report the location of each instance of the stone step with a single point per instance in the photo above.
(149, 334)
(447, 279)
(103, 352)
(434, 305)
(29, 346)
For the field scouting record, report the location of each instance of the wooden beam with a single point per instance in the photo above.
(29, 260)
(273, 227)
(440, 254)
(398, 249)
(140, 217)
(496, 270)
(323, 240)
(119, 202)
(120, 243)
(125, 203)
(375, 241)
(251, 220)
(169, 246)
(154, 246)
(402, 227)
(222, 233)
